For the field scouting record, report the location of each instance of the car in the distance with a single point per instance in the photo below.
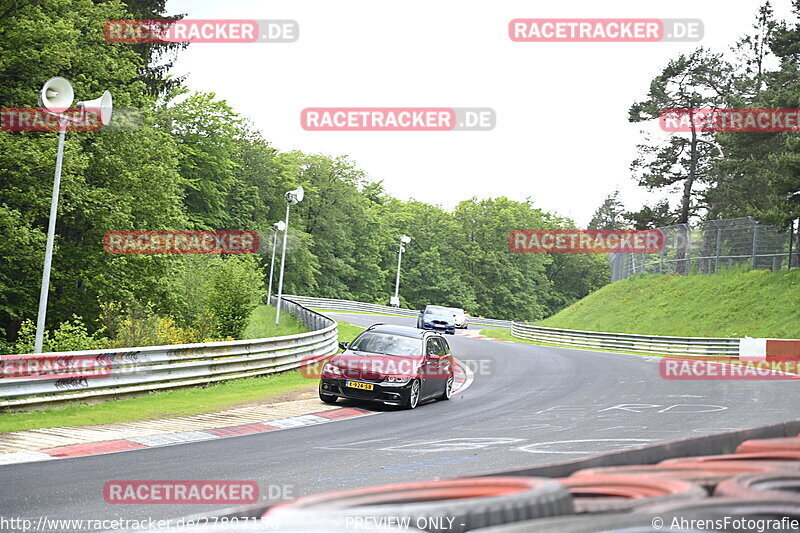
(395, 365)
(438, 318)
(459, 317)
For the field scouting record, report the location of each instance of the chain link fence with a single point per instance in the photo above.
(712, 246)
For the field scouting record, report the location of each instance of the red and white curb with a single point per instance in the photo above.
(463, 379)
(183, 437)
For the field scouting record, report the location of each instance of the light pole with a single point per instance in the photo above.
(292, 198)
(56, 96)
(405, 239)
(279, 226)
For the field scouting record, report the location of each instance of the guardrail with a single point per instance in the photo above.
(350, 305)
(36, 380)
(629, 342)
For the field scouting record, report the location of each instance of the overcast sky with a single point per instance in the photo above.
(562, 135)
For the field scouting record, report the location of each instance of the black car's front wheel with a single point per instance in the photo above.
(327, 398)
(413, 395)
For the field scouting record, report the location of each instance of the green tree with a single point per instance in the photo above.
(610, 214)
(207, 132)
(700, 80)
(506, 284)
(102, 170)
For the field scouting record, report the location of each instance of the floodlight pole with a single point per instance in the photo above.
(397, 281)
(292, 197)
(405, 239)
(277, 227)
(56, 96)
(48, 252)
(283, 261)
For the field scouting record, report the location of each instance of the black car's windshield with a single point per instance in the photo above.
(436, 310)
(387, 344)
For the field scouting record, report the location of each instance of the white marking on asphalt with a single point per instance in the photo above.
(631, 407)
(454, 444)
(626, 428)
(623, 443)
(505, 426)
(674, 409)
(353, 445)
(687, 405)
(565, 408)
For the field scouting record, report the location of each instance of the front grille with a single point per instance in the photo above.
(369, 377)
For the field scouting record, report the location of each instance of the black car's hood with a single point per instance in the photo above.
(362, 365)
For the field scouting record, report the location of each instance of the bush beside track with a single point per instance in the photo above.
(732, 303)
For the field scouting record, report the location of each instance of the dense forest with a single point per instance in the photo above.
(193, 162)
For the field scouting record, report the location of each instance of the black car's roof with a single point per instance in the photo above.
(404, 331)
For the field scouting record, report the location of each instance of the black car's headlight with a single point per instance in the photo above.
(398, 380)
(332, 369)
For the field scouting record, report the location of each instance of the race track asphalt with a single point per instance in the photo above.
(528, 405)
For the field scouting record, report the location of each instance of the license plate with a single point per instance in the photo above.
(359, 385)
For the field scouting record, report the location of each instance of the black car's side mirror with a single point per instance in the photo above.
(343, 345)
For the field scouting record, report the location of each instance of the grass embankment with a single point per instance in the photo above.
(215, 397)
(732, 303)
(348, 332)
(262, 324)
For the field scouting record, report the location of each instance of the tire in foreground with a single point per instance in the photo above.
(452, 506)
